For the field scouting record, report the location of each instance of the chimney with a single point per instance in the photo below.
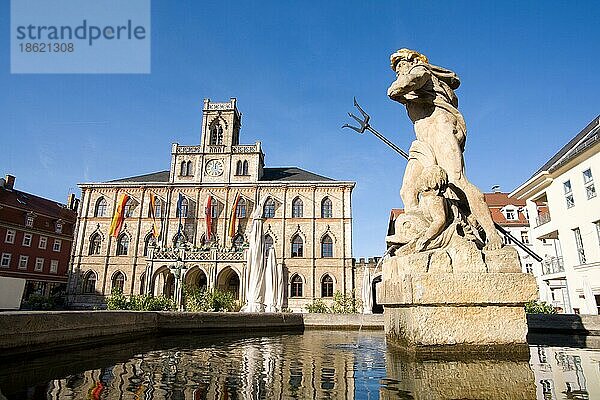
(72, 202)
(496, 188)
(10, 182)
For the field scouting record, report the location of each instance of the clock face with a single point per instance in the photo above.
(214, 168)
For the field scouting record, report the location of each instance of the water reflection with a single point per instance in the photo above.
(566, 373)
(313, 365)
(453, 378)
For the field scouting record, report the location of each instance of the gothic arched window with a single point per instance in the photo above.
(240, 211)
(268, 243)
(245, 167)
(327, 286)
(123, 245)
(95, 244)
(297, 208)
(269, 209)
(326, 208)
(183, 169)
(238, 167)
(100, 210)
(189, 168)
(216, 135)
(296, 286)
(118, 281)
(89, 282)
(297, 246)
(128, 209)
(149, 241)
(183, 209)
(326, 247)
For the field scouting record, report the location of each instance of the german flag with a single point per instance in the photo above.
(233, 216)
(208, 217)
(155, 228)
(118, 217)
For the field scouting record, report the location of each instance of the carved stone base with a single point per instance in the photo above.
(478, 311)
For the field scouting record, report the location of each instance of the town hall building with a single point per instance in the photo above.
(200, 212)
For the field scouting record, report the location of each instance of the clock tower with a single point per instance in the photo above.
(221, 124)
(219, 158)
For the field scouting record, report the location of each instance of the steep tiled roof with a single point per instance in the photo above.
(270, 174)
(501, 199)
(291, 174)
(37, 204)
(161, 176)
(496, 201)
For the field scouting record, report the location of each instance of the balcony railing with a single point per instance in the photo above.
(553, 265)
(192, 255)
(542, 219)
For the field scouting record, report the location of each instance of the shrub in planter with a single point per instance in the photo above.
(345, 303)
(197, 300)
(539, 307)
(318, 306)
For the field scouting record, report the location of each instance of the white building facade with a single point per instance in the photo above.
(307, 220)
(564, 207)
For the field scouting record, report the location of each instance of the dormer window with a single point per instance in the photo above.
(29, 220)
(510, 213)
(59, 226)
(525, 212)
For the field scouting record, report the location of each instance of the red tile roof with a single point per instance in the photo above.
(495, 201)
(501, 199)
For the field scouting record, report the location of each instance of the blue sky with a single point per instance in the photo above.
(529, 73)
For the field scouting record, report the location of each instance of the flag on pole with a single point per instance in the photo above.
(118, 216)
(208, 215)
(233, 216)
(155, 227)
(179, 212)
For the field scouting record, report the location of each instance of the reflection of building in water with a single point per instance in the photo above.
(565, 373)
(312, 365)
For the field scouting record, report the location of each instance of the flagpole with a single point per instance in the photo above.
(179, 204)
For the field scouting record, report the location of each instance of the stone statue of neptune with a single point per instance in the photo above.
(427, 92)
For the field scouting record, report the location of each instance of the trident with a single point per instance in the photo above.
(365, 126)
